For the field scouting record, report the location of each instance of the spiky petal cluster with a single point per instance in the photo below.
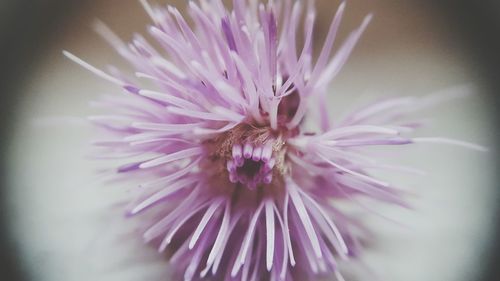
(213, 121)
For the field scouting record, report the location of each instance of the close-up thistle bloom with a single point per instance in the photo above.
(242, 164)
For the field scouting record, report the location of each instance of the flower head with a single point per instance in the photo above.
(213, 119)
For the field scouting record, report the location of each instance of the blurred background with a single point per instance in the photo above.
(58, 222)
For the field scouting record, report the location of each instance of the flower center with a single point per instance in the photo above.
(251, 165)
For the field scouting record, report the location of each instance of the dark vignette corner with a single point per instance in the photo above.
(26, 27)
(476, 25)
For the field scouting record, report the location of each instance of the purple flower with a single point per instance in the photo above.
(237, 186)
